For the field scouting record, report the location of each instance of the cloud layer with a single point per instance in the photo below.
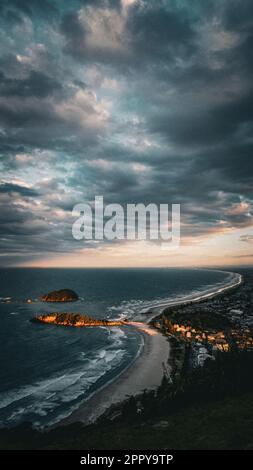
(136, 100)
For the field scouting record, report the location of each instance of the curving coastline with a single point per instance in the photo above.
(153, 357)
(158, 309)
(133, 380)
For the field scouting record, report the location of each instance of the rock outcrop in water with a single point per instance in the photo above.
(75, 319)
(62, 295)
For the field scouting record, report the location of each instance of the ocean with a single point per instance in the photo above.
(46, 371)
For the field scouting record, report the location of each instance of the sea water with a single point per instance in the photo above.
(46, 371)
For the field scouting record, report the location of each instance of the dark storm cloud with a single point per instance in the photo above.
(153, 31)
(159, 32)
(234, 165)
(15, 188)
(27, 232)
(209, 125)
(73, 30)
(147, 103)
(238, 15)
(18, 115)
(11, 9)
(37, 84)
(241, 56)
(40, 112)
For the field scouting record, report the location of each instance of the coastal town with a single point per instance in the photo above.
(223, 323)
(206, 377)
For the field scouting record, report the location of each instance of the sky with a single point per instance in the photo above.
(140, 101)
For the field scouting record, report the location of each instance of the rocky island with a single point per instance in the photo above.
(209, 388)
(75, 319)
(62, 295)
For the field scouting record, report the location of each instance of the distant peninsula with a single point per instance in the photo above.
(62, 295)
(75, 319)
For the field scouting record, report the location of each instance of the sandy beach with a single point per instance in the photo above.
(158, 309)
(146, 372)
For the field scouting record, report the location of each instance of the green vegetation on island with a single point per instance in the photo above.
(62, 295)
(74, 319)
(205, 403)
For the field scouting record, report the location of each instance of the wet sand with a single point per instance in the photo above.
(158, 309)
(146, 372)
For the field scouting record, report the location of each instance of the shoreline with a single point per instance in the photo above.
(157, 310)
(134, 379)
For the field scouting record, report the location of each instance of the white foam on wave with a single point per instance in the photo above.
(130, 308)
(45, 396)
(68, 412)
